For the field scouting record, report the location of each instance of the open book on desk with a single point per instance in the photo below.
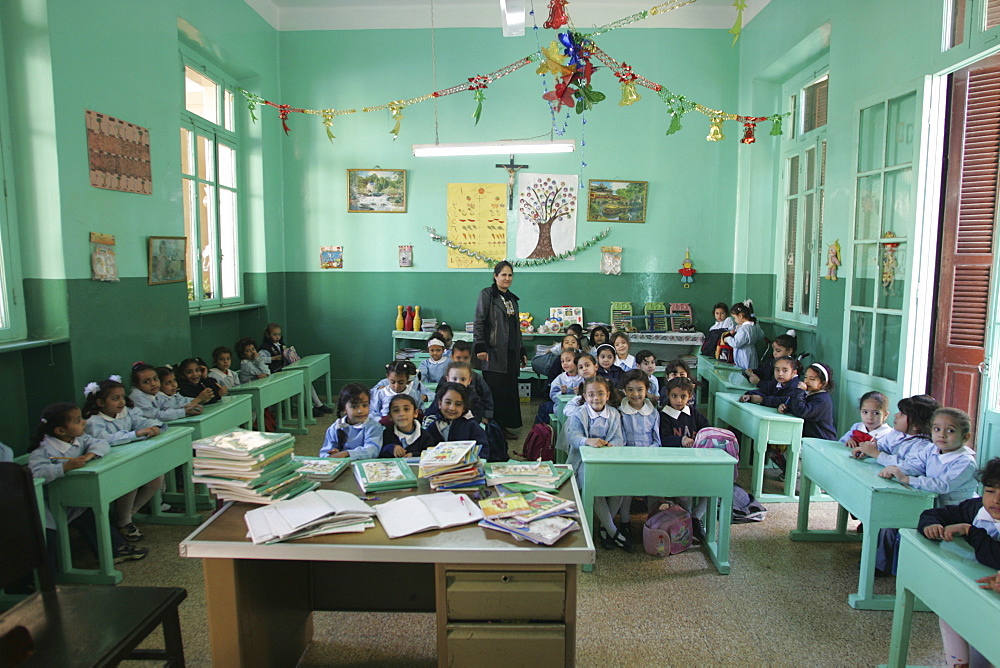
(424, 512)
(313, 513)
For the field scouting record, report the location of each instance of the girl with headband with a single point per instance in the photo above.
(815, 407)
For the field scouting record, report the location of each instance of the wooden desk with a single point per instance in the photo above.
(764, 425)
(278, 388)
(943, 576)
(465, 574)
(665, 472)
(235, 410)
(877, 502)
(315, 367)
(720, 377)
(103, 480)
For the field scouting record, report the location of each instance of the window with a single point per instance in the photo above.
(803, 198)
(13, 324)
(209, 169)
(973, 23)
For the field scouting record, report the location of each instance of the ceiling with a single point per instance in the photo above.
(393, 14)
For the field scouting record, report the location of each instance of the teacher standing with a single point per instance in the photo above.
(497, 343)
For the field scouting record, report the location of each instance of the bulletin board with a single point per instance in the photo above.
(477, 220)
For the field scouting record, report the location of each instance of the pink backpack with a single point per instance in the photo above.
(538, 444)
(722, 439)
(667, 532)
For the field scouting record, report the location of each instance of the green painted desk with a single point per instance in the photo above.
(559, 427)
(720, 377)
(764, 425)
(878, 503)
(103, 480)
(315, 367)
(665, 472)
(278, 388)
(235, 410)
(943, 576)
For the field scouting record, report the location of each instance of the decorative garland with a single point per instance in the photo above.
(441, 239)
(573, 90)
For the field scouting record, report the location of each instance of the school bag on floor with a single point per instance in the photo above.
(538, 445)
(721, 439)
(746, 508)
(496, 444)
(667, 532)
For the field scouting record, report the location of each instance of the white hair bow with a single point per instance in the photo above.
(115, 377)
(91, 388)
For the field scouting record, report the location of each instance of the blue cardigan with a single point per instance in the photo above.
(462, 429)
(816, 411)
(774, 396)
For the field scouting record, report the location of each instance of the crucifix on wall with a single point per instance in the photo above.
(511, 174)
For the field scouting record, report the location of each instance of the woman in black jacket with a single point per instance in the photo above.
(497, 344)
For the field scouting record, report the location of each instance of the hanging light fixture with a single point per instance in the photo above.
(501, 147)
(512, 17)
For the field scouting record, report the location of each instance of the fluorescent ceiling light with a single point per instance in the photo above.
(512, 17)
(495, 148)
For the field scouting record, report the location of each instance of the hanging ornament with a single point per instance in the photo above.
(477, 85)
(328, 122)
(737, 28)
(283, 115)
(627, 78)
(889, 264)
(748, 129)
(675, 123)
(715, 129)
(397, 115)
(557, 15)
(776, 125)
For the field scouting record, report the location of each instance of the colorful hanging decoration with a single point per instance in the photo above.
(569, 60)
(517, 263)
(557, 15)
(889, 263)
(832, 260)
(687, 270)
(715, 129)
(737, 28)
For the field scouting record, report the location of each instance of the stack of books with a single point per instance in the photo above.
(316, 513)
(321, 469)
(250, 466)
(428, 324)
(380, 475)
(452, 465)
(516, 476)
(544, 531)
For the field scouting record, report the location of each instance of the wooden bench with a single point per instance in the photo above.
(278, 388)
(877, 502)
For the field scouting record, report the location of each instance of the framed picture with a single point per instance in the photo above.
(617, 201)
(167, 260)
(376, 191)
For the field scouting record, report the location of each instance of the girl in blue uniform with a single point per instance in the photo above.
(152, 403)
(354, 434)
(641, 425)
(111, 417)
(745, 337)
(815, 407)
(400, 378)
(453, 420)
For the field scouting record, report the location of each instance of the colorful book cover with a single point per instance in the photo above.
(504, 506)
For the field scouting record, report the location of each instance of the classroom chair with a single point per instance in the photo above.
(69, 626)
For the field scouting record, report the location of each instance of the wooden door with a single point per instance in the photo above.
(967, 235)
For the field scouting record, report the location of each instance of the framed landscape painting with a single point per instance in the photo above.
(617, 201)
(376, 191)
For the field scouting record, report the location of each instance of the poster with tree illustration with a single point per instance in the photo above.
(546, 215)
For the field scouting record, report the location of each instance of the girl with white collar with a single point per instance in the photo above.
(111, 416)
(745, 337)
(432, 370)
(399, 379)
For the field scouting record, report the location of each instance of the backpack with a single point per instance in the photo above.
(711, 342)
(290, 355)
(496, 444)
(721, 439)
(725, 353)
(667, 532)
(544, 364)
(746, 508)
(538, 444)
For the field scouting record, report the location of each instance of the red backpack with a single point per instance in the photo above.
(538, 445)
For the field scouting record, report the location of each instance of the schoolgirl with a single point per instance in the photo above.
(404, 437)
(678, 369)
(454, 421)
(147, 398)
(623, 359)
(606, 367)
(782, 346)
(461, 373)
(252, 366)
(400, 377)
(723, 320)
(874, 408)
(354, 433)
(111, 417)
(447, 335)
(221, 371)
(275, 354)
(679, 421)
(783, 386)
(815, 406)
(432, 370)
(586, 368)
(745, 337)
(598, 335)
(910, 434)
(192, 381)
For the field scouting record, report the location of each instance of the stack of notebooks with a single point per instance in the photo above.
(452, 465)
(250, 466)
(323, 511)
(321, 469)
(535, 516)
(381, 475)
(516, 476)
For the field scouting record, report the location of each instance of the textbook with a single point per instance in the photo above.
(544, 505)
(424, 512)
(243, 445)
(318, 512)
(378, 475)
(446, 456)
(542, 532)
(250, 466)
(563, 473)
(504, 506)
(323, 469)
(502, 473)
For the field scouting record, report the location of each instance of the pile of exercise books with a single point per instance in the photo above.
(251, 466)
(516, 476)
(381, 475)
(536, 516)
(452, 465)
(323, 511)
(321, 469)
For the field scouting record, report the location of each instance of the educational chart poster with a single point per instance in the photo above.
(477, 220)
(546, 215)
(331, 257)
(118, 153)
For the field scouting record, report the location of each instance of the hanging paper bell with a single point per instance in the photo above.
(715, 129)
(629, 96)
(557, 15)
(675, 123)
(748, 137)
(776, 126)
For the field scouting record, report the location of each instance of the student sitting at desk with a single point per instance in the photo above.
(193, 380)
(874, 408)
(815, 406)
(911, 432)
(461, 373)
(404, 437)
(432, 370)
(222, 372)
(784, 387)
(354, 434)
(947, 468)
(400, 378)
(60, 445)
(606, 367)
(153, 404)
(645, 360)
(461, 351)
(977, 519)
(453, 420)
(586, 368)
(252, 366)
